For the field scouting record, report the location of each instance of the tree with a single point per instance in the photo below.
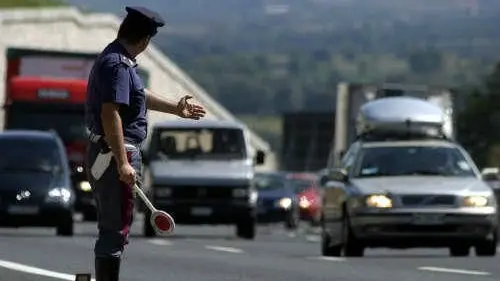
(478, 124)
(30, 3)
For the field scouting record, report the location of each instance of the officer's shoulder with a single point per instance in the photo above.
(116, 60)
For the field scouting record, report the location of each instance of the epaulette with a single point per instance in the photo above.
(127, 61)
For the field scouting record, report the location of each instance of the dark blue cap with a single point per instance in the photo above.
(144, 14)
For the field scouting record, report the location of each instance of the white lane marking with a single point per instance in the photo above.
(224, 249)
(37, 271)
(313, 238)
(453, 270)
(327, 258)
(160, 242)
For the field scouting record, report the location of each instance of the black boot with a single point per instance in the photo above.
(107, 269)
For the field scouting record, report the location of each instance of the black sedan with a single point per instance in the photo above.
(35, 184)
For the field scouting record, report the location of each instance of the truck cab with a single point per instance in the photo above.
(201, 172)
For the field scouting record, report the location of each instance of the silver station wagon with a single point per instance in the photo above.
(401, 188)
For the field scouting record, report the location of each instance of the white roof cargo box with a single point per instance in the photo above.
(402, 116)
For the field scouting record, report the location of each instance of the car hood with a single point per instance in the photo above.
(275, 193)
(202, 171)
(310, 194)
(421, 184)
(25, 181)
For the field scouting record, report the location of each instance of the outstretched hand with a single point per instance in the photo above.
(188, 110)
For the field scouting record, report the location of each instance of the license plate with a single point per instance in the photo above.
(201, 211)
(23, 210)
(427, 219)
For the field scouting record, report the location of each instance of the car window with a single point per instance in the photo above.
(20, 154)
(349, 157)
(269, 181)
(413, 160)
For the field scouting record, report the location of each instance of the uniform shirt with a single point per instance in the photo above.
(113, 79)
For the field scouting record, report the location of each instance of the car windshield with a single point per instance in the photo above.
(208, 144)
(300, 185)
(34, 155)
(413, 160)
(69, 125)
(269, 181)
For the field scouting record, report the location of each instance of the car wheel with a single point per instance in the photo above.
(292, 219)
(487, 248)
(326, 249)
(459, 251)
(353, 247)
(247, 228)
(147, 227)
(65, 226)
(316, 220)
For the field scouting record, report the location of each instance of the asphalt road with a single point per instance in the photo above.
(213, 253)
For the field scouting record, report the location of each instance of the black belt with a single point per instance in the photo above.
(98, 139)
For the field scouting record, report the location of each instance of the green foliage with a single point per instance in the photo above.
(271, 83)
(30, 3)
(478, 124)
(257, 63)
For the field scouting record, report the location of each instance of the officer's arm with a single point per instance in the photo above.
(112, 125)
(115, 94)
(155, 102)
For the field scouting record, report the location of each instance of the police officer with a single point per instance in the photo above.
(116, 118)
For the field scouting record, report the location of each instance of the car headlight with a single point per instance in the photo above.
(59, 194)
(285, 203)
(240, 192)
(163, 192)
(378, 201)
(254, 195)
(304, 203)
(476, 201)
(85, 186)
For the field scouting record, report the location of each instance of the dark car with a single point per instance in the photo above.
(35, 181)
(276, 199)
(308, 194)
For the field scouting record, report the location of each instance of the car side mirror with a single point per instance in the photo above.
(339, 175)
(490, 174)
(323, 180)
(260, 157)
(334, 175)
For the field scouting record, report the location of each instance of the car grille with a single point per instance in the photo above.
(9, 197)
(207, 192)
(266, 203)
(428, 200)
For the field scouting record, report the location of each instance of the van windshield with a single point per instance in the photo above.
(206, 143)
(413, 160)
